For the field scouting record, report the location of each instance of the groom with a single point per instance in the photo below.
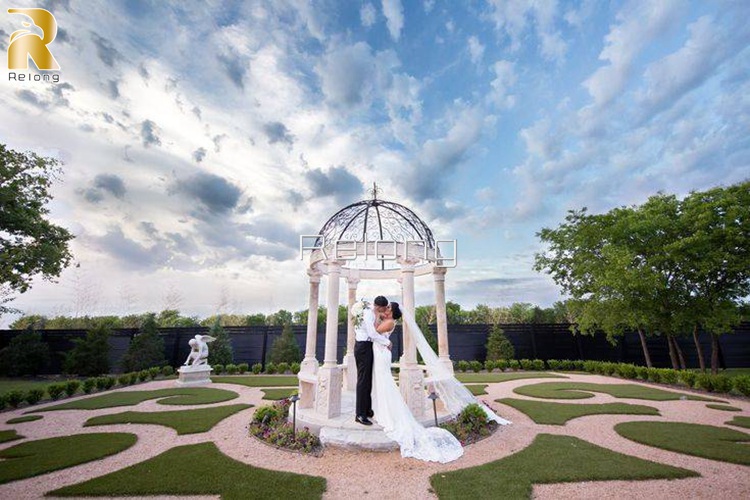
(365, 335)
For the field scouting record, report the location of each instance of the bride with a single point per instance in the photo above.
(433, 443)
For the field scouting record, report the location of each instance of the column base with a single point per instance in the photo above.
(328, 392)
(411, 383)
(309, 365)
(350, 373)
(446, 362)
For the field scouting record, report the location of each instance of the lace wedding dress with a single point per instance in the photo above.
(431, 444)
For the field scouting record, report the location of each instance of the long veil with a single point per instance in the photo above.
(454, 395)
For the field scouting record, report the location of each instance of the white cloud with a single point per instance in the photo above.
(505, 79)
(394, 15)
(476, 49)
(367, 15)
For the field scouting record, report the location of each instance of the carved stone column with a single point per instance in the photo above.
(310, 363)
(438, 275)
(328, 396)
(411, 377)
(350, 365)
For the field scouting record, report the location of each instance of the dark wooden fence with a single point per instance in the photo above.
(533, 341)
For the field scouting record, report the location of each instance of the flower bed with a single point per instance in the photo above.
(471, 425)
(270, 425)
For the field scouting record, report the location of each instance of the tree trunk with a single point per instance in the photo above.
(680, 355)
(646, 355)
(672, 352)
(714, 353)
(701, 361)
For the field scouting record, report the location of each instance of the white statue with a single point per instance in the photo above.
(199, 351)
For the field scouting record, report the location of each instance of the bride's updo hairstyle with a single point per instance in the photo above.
(396, 310)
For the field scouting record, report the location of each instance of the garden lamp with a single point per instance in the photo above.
(294, 399)
(433, 396)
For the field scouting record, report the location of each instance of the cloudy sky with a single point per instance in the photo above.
(200, 139)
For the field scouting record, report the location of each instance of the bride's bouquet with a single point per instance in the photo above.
(357, 311)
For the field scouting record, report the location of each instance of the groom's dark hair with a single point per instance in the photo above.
(381, 301)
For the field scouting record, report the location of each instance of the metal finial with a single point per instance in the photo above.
(375, 191)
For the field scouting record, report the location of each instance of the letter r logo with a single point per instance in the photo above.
(24, 43)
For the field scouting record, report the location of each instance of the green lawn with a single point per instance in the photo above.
(46, 455)
(489, 378)
(740, 422)
(177, 396)
(183, 421)
(277, 394)
(716, 443)
(259, 380)
(199, 469)
(583, 390)
(549, 413)
(27, 418)
(9, 435)
(23, 384)
(477, 389)
(549, 459)
(723, 407)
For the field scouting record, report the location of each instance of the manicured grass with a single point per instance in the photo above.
(276, 394)
(46, 455)
(259, 380)
(723, 407)
(183, 421)
(740, 422)
(477, 389)
(548, 413)
(22, 384)
(490, 378)
(178, 396)
(583, 390)
(549, 459)
(9, 435)
(716, 443)
(27, 418)
(198, 469)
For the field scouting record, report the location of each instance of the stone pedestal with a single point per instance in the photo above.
(411, 382)
(198, 375)
(350, 373)
(328, 391)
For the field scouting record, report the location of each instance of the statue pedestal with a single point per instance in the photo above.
(190, 375)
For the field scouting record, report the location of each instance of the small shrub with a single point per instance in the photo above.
(626, 370)
(577, 365)
(26, 354)
(143, 375)
(538, 365)
(124, 379)
(154, 372)
(654, 375)
(90, 355)
(3, 401)
(513, 364)
(567, 365)
(55, 391)
(463, 365)
(257, 368)
(476, 366)
(267, 415)
(608, 368)
(294, 367)
(687, 377)
(242, 368)
(470, 425)
(167, 371)
(270, 368)
(502, 364)
(668, 376)
(498, 345)
(722, 383)
(526, 364)
(285, 348)
(231, 369)
(146, 349)
(642, 372)
(33, 396)
(489, 365)
(109, 382)
(218, 369)
(742, 384)
(704, 381)
(15, 398)
(101, 383)
(88, 385)
(221, 352)
(282, 367)
(71, 387)
(590, 366)
(554, 364)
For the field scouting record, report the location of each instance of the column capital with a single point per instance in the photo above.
(314, 275)
(407, 264)
(352, 282)
(333, 265)
(438, 273)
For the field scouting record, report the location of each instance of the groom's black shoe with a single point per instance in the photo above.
(362, 420)
(370, 414)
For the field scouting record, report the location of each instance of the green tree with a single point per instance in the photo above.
(30, 245)
(454, 313)
(280, 318)
(32, 321)
(90, 355)
(172, 318)
(26, 354)
(285, 348)
(255, 320)
(146, 349)
(498, 345)
(220, 350)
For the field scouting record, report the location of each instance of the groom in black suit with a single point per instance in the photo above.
(365, 336)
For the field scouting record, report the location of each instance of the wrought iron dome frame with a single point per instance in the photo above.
(376, 220)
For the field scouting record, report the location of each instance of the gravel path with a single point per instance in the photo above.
(352, 474)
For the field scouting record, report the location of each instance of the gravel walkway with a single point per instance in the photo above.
(386, 475)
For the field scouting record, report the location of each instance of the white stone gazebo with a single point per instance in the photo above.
(368, 240)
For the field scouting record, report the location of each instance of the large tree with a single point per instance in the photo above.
(30, 245)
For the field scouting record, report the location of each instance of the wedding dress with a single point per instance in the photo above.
(431, 444)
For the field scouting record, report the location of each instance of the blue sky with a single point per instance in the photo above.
(200, 139)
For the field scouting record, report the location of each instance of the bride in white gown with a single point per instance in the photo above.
(431, 444)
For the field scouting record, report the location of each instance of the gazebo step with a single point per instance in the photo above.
(357, 439)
